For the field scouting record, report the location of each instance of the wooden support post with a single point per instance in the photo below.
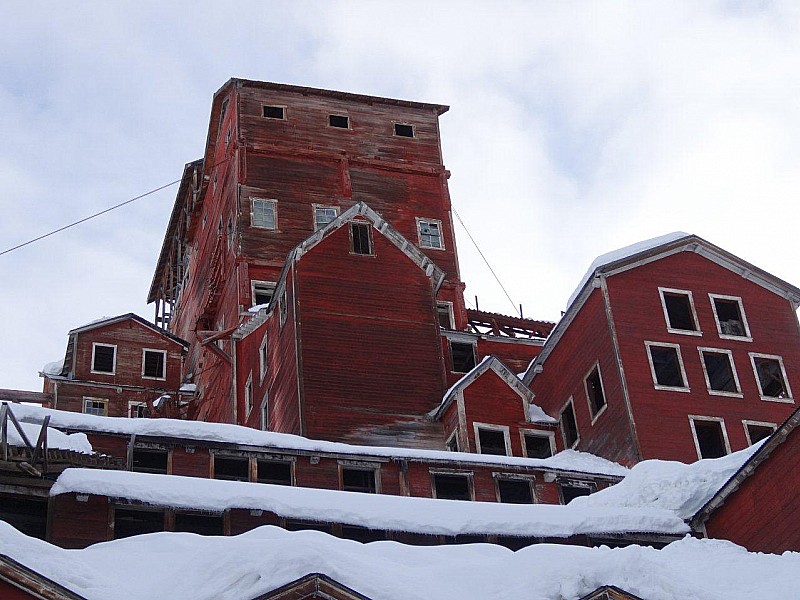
(4, 430)
(19, 430)
(41, 441)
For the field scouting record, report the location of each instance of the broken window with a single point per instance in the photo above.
(594, 391)
(538, 446)
(514, 491)
(679, 310)
(137, 410)
(340, 121)
(274, 472)
(569, 426)
(666, 365)
(730, 317)
(359, 480)
(444, 312)
(404, 130)
(492, 441)
(262, 292)
(452, 442)
(430, 233)
(129, 522)
(710, 438)
(154, 364)
(324, 215)
(463, 356)
(150, 460)
(200, 523)
(263, 213)
(273, 112)
(718, 368)
(104, 358)
(361, 239)
(451, 486)
(758, 431)
(95, 406)
(232, 468)
(569, 490)
(770, 376)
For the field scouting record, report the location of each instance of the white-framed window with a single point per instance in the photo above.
(444, 313)
(264, 213)
(104, 358)
(137, 410)
(273, 112)
(755, 431)
(537, 443)
(730, 318)
(513, 488)
(248, 396)
(265, 412)
(95, 406)
(679, 311)
(666, 366)
(261, 292)
(262, 358)
(452, 485)
(770, 373)
(710, 436)
(154, 364)
(492, 439)
(429, 232)
(404, 130)
(355, 476)
(324, 214)
(720, 372)
(569, 425)
(595, 393)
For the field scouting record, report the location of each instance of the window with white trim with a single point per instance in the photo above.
(265, 412)
(679, 311)
(262, 358)
(430, 233)
(771, 377)
(263, 213)
(359, 479)
(248, 396)
(593, 384)
(539, 444)
(730, 317)
(666, 366)
(444, 312)
(262, 292)
(154, 364)
(569, 425)
(104, 358)
(95, 406)
(710, 436)
(137, 410)
(758, 430)
(492, 439)
(462, 355)
(719, 371)
(569, 489)
(324, 215)
(452, 486)
(514, 490)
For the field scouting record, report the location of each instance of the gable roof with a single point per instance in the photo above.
(365, 213)
(648, 251)
(105, 321)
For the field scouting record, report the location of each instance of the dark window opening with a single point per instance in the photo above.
(199, 523)
(770, 377)
(570, 491)
(129, 522)
(444, 315)
(679, 312)
(463, 356)
(710, 439)
(569, 426)
(274, 472)
(28, 515)
(359, 480)
(720, 372)
(340, 121)
(451, 487)
(538, 446)
(515, 491)
(223, 111)
(404, 130)
(103, 359)
(756, 433)
(154, 364)
(232, 468)
(361, 238)
(147, 460)
(452, 443)
(594, 390)
(274, 112)
(492, 441)
(666, 366)
(362, 534)
(729, 316)
(293, 525)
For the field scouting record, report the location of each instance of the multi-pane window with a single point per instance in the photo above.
(729, 313)
(514, 491)
(361, 239)
(666, 366)
(771, 377)
(719, 371)
(492, 440)
(451, 486)
(430, 233)
(104, 358)
(538, 445)
(569, 426)
(679, 311)
(463, 356)
(95, 406)
(710, 437)
(324, 215)
(594, 391)
(154, 364)
(262, 292)
(263, 213)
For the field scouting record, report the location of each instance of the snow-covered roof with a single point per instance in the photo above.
(53, 368)
(375, 511)
(568, 460)
(58, 440)
(246, 566)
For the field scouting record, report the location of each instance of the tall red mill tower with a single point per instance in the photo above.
(329, 211)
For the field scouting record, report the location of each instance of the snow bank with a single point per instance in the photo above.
(376, 511)
(678, 487)
(77, 442)
(621, 254)
(569, 460)
(53, 368)
(255, 563)
(536, 414)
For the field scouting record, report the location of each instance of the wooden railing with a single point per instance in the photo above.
(37, 454)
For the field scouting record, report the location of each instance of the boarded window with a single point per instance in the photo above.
(729, 317)
(594, 391)
(403, 130)
(570, 491)
(514, 491)
(233, 468)
(719, 371)
(103, 360)
(710, 438)
(274, 112)
(451, 486)
(155, 364)
(757, 432)
(361, 239)
(569, 426)
(770, 377)
(358, 480)
(274, 472)
(463, 356)
(202, 524)
(492, 441)
(149, 460)
(340, 121)
(538, 446)
(130, 522)
(680, 314)
(667, 370)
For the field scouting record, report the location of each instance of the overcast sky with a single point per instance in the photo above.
(574, 129)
